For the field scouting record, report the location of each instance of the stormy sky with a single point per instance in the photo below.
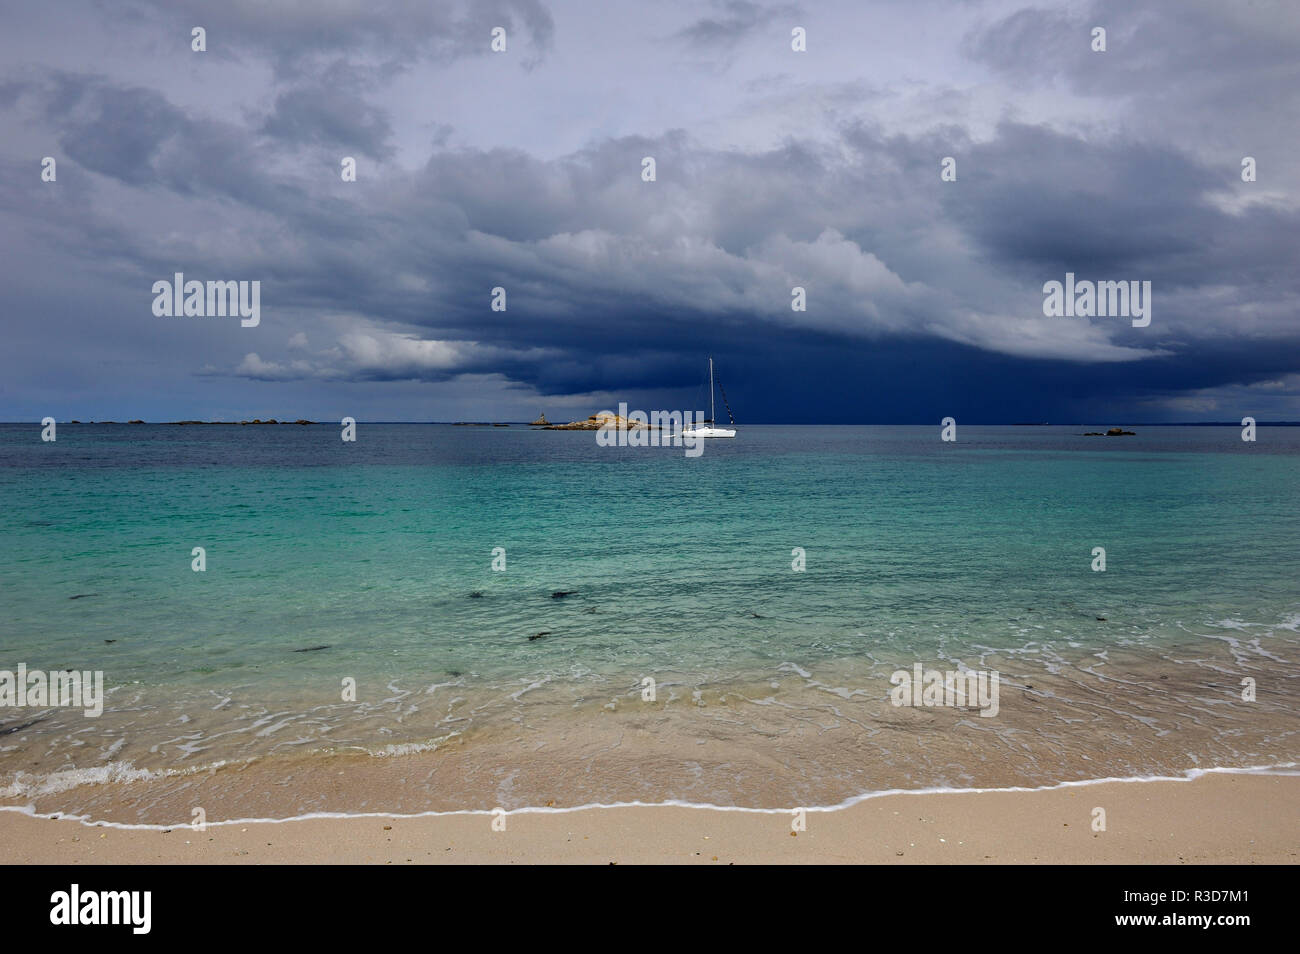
(774, 168)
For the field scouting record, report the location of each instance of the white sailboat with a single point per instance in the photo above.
(709, 430)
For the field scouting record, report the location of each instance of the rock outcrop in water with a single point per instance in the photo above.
(596, 421)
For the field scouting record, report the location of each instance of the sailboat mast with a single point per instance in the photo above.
(712, 416)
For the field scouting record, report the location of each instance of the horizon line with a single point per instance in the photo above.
(303, 422)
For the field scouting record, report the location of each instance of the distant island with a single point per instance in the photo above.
(256, 420)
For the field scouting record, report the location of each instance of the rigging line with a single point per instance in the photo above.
(723, 391)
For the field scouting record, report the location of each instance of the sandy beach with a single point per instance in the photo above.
(1213, 819)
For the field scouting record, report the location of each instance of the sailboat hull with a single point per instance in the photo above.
(709, 432)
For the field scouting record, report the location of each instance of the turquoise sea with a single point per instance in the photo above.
(373, 561)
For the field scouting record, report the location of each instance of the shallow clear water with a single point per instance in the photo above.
(975, 553)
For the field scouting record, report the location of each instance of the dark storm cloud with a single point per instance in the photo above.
(578, 239)
(1049, 201)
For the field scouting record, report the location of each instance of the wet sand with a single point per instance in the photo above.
(803, 739)
(1216, 818)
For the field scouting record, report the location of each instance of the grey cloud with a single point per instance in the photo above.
(373, 36)
(324, 116)
(1202, 74)
(115, 131)
(1150, 47)
(733, 21)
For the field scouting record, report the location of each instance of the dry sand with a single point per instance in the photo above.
(1218, 818)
